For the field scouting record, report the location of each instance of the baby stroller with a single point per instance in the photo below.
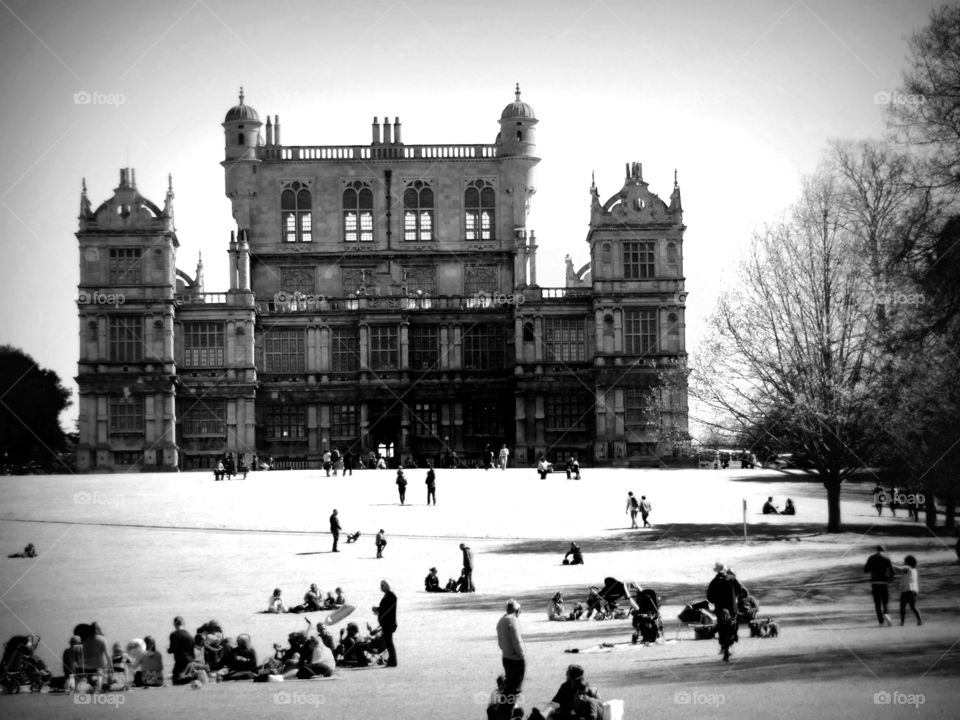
(647, 624)
(604, 601)
(21, 666)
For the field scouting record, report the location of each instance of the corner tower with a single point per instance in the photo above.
(241, 130)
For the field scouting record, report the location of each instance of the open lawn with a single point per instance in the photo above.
(132, 551)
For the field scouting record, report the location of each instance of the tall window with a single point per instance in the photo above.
(297, 280)
(638, 261)
(421, 278)
(479, 202)
(566, 412)
(563, 339)
(286, 422)
(640, 410)
(284, 351)
(344, 349)
(126, 339)
(384, 347)
(418, 211)
(358, 212)
(295, 207)
(483, 419)
(206, 417)
(126, 414)
(353, 279)
(484, 347)
(426, 420)
(424, 347)
(344, 421)
(125, 266)
(480, 279)
(203, 344)
(640, 332)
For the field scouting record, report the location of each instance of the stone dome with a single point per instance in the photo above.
(241, 112)
(517, 109)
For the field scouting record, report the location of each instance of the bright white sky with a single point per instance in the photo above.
(741, 97)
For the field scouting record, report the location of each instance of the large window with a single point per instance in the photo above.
(484, 347)
(638, 260)
(479, 202)
(483, 419)
(286, 422)
(344, 349)
(125, 266)
(297, 280)
(425, 420)
(418, 211)
(420, 279)
(480, 279)
(384, 347)
(354, 279)
(424, 347)
(203, 344)
(566, 412)
(563, 339)
(126, 339)
(284, 351)
(344, 421)
(206, 417)
(358, 212)
(126, 415)
(640, 411)
(295, 213)
(640, 332)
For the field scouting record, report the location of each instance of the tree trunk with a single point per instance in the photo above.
(832, 485)
(930, 503)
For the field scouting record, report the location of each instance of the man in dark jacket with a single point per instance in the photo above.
(881, 573)
(724, 590)
(181, 647)
(467, 568)
(387, 613)
(335, 529)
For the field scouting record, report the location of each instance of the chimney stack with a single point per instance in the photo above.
(386, 131)
(375, 132)
(276, 129)
(396, 130)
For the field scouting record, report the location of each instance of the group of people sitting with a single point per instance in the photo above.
(770, 509)
(572, 467)
(602, 602)
(313, 601)
(574, 700)
(226, 467)
(431, 583)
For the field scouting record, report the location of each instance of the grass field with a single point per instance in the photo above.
(132, 551)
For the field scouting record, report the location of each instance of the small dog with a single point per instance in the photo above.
(353, 538)
(765, 628)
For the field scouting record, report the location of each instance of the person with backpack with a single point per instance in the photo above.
(633, 507)
(401, 486)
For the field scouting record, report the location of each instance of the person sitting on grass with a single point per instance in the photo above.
(148, 669)
(555, 608)
(241, 661)
(28, 552)
(789, 508)
(316, 660)
(769, 508)
(544, 467)
(574, 700)
(311, 601)
(276, 604)
(120, 672)
(352, 650)
(431, 583)
(577, 558)
(573, 468)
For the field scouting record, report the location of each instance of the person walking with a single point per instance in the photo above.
(881, 573)
(633, 507)
(348, 462)
(402, 486)
(514, 660)
(431, 482)
(504, 456)
(327, 462)
(381, 542)
(335, 529)
(467, 568)
(878, 498)
(645, 508)
(724, 591)
(387, 613)
(909, 587)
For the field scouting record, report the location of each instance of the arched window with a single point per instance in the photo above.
(358, 212)
(479, 202)
(295, 211)
(673, 257)
(418, 211)
(528, 333)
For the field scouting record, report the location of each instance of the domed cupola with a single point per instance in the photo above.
(241, 128)
(517, 134)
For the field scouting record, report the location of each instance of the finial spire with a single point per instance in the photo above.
(675, 178)
(593, 178)
(517, 91)
(241, 94)
(169, 182)
(83, 185)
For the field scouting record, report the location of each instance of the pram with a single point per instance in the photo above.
(647, 624)
(21, 666)
(604, 601)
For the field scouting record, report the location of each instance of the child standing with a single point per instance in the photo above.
(909, 587)
(726, 633)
